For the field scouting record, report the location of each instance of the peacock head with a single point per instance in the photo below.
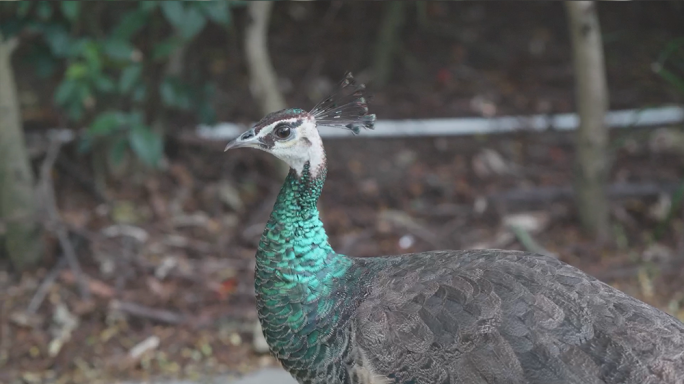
(292, 134)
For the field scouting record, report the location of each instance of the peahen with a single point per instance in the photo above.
(442, 317)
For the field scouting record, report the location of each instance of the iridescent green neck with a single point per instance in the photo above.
(297, 274)
(294, 246)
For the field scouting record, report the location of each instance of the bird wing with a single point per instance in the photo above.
(509, 317)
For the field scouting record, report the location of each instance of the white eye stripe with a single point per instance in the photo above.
(269, 129)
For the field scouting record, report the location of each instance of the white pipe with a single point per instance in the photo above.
(478, 125)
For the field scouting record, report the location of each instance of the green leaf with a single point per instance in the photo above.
(83, 92)
(163, 49)
(194, 23)
(57, 39)
(175, 94)
(136, 118)
(85, 144)
(42, 61)
(187, 20)
(146, 144)
(117, 151)
(148, 6)
(75, 111)
(139, 93)
(204, 106)
(129, 76)
(118, 49)
(77, 70)
(239, 3)
(79, 46)
(91, 53)
(672, 78)
(70, 95)
(23, 8)
(130, 24)
(217, 11)
(44, 10)
(104, 83)
(65, 92)
(174, 12)
(670, 65)
(167, 93)
(206, 112)
(12, 27)
(106, 123)
(70, 9)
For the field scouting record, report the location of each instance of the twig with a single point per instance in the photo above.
(44, 287)
(139, 310)
(50, 205)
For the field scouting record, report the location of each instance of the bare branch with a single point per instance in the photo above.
(50, 207)
(45, 286)
(139, 310)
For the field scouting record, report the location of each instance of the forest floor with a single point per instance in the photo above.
(169, 256)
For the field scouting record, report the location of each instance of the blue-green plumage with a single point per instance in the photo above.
(447, 317)
(304, 297)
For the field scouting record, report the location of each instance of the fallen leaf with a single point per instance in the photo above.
(149, 344)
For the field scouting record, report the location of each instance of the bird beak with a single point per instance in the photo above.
(246, 140)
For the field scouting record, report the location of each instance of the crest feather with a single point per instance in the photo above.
(346, 108)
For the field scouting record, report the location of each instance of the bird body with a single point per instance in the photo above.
(442, 317)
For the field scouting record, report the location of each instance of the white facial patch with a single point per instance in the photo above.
(303, 145)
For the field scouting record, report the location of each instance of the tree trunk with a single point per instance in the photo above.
(592, 103)
(263, 79)
(17, 195)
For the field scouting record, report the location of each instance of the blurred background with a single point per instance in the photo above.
(127, 237)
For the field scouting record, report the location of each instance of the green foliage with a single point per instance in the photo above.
(70, 9)
(109, 64)
(670, 64)
(132, 23)
(129, 77)
(217, 11)
(164, 49)
(121, 132)
(146, 144)
(186, 18)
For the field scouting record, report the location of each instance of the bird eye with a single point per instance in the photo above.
(283, 131)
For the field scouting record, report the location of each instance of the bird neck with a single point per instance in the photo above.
(296, 268)
(294, 245)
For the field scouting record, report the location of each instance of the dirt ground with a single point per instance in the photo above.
(169, 256)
